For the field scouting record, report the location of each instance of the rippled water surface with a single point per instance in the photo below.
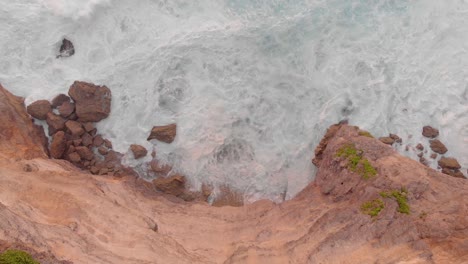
(252, 85)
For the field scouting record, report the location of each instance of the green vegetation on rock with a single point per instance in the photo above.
(356, 162)
(16, 257)
(365, 133)
(373, 207)
(401, 198)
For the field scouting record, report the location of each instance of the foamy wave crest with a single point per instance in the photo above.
(74, 9)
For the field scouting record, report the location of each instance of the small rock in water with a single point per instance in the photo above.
(138, 151)
(430, 132)
(438, 147)
(420, 147)
(163, 133)
(396, 138)
(67, 49)
(387, 140)
(449, 163)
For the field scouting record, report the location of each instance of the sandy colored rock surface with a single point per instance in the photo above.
(50, 206)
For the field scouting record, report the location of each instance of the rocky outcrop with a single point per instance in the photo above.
(165, 134)
(19, 137)
(402, 212)
(92, 102)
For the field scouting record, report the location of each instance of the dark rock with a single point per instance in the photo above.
(387, 140)
(75, 128)
(85, 153)
(138, 151)
(55, 122)
(66, 49)
(87, 139)
(59, 100)
(39, 109)
(430, 132)
(66, 109)
(74, 157)
(420, 147)
(92, 102)
(58, 145)
(449, 163)
(433, 156)
(98, 141)
(163, 133)
(438, 147)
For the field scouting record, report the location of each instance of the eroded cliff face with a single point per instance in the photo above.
(50, 206)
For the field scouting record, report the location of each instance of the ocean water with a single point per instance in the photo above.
(251, 84)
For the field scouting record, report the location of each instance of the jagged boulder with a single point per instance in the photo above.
(438, 147)
(165, 134)
(92, 102)
(67, 49)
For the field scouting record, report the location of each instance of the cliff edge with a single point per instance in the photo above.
(367, 204)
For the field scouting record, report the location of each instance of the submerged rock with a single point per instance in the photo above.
(66, 49)
(92, 102)
(39, 109)
(165, 134)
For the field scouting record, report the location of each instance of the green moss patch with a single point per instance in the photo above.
(16, 257)
(373, 207)
(400, 196)
(365, 133)
(356, 162)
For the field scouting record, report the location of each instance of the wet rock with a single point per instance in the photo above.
(138, 151)
(396, 138)
(159, 169)
(98, 141)
(39, 109)
(430, 132)
(165, 134)
(87, 139)
(74, 157)
(74, 128)
(433, 156)
(55, 122)
(387, 140)
(449, 163)
(420, 147)
(85, 153)
(107, 143)
(438, 147)
(92, 102)
(66, 49)
(103, 150)
(66, 109)
(58, 145)
(59, 100)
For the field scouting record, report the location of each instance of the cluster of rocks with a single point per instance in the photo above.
(71, 123)
(448, 165)
(391, 139)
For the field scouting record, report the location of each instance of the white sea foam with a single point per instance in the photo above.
(252, 85)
